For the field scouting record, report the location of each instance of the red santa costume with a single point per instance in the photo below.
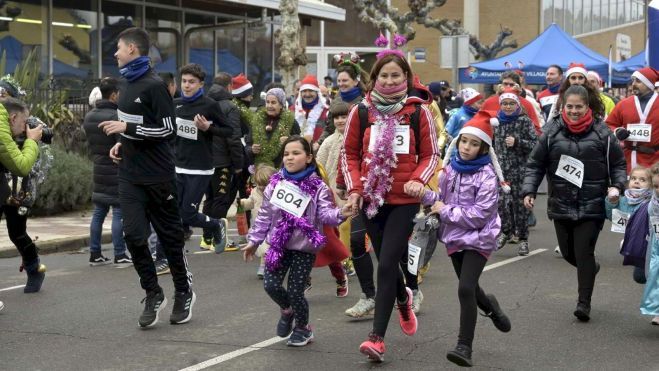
(641, 147)
(312, 120)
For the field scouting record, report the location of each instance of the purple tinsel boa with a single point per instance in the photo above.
(383, 159)
(288, 223)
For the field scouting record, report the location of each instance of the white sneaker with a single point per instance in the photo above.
(365, 306)
(557, 250)
(417, 299)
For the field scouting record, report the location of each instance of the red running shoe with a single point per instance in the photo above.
(406, 315)
(373, 348)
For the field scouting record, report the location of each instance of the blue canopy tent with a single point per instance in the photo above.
(632, 64)
(553, 46)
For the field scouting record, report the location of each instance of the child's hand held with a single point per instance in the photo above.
(248, 251)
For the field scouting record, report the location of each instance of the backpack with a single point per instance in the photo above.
(415, 118)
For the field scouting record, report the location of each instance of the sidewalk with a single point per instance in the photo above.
(64, 232)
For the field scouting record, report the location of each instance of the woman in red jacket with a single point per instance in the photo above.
(385, 168)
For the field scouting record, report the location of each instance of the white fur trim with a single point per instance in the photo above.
(512, 96)
(643, 79)
(494, 122)
(497, 169)
(242, 88)
(572, 70)
(449, 152)
(480, 134)
(309, 87)
(308, 123)
(656, 84)
(94, 96)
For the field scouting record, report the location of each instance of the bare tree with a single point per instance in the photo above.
(386, 17)
(292, 54)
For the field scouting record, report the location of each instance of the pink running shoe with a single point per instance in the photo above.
(373, 348)
(406, 315)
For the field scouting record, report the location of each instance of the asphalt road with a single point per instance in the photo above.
(86, 318)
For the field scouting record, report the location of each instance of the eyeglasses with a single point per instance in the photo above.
(508, 104)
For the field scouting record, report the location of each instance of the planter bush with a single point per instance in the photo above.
(68, 186)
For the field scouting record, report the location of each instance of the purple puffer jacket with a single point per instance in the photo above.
(321, 210)
(470, 221)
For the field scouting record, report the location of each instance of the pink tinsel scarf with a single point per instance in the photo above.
(383, 159)
(288, 223)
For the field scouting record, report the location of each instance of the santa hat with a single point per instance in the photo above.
(241, 87)
(509, 93)
(470, 96)
(576, 68)
(95, 96)
(647, 75)
(481, 126)
(310, 82)
(656, 84)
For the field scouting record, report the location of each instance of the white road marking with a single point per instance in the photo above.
(203, 252)
(237, 353)
(12, 288)
(234, 354)
(512, 260)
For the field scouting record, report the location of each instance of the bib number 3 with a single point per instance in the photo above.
(288, 197)
(571, 169)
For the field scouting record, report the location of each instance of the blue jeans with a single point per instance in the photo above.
(96, 229)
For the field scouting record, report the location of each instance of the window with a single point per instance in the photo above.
(164, 27)
(24, 33)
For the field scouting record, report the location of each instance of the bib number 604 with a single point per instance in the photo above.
(288, 197)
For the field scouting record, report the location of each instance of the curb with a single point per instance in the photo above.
(57, 245)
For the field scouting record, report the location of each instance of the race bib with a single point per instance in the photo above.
(548, 101)
(570, 169)
(413, 257)
(654, 222)
(639, 132)
(618, 221)
(288, 197)
(186, 129)
(401, 139)
(126, 117)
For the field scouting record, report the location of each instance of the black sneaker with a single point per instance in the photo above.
(582, 312)
(301, 336)
(498, 317)
(154, 301)
(162, 267)
(502, 240)
(123, 259)
(285, 324)
(220, 237)
(461, 355)
(183, 302)
(96, 259)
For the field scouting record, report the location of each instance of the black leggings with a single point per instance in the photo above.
(577, 240)
(16, 228)
(360, 258)
(468, 266)
(389, 231)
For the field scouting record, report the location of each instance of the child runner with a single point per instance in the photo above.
(650, 301)
(514, 139)
(467, 209)
(619, 209)
(261, 178)
(296, 205)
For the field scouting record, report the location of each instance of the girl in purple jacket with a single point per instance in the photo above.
(296, 205)
(469, 224)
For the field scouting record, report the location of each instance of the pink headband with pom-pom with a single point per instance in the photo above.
(382, 41)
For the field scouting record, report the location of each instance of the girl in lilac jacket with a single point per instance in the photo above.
(296, 205)
(469, 224)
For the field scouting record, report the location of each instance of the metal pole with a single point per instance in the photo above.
(49, 36)
(454, 42)
(99, 39)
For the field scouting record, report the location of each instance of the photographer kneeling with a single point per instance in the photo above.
(18, 160)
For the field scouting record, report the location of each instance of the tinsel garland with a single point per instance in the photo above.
(288, 223)
(383, 158)
(246, 114)
(270, 148)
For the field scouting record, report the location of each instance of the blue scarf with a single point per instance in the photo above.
(351, 94)
(193, 97)
(299, 175)
(309, 106)
(135, 69)
(553, 88)
(505, 119)
(469, 110)
(469, 167)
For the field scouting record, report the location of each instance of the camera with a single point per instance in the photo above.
(47, 133)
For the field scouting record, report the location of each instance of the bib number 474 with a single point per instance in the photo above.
(572, 170)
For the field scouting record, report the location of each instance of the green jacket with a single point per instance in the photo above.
(17, 161)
